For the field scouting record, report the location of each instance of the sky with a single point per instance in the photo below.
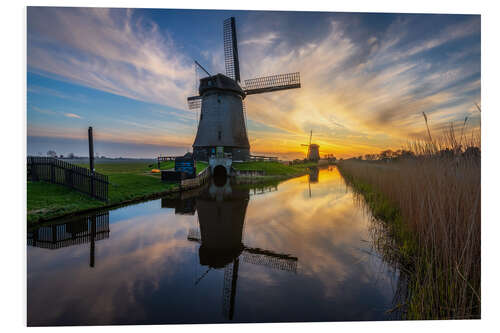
(366, 78)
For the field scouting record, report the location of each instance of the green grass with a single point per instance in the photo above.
(128, 181)
(274, 168)
(387, 211)
(125, 167)
(47, 201)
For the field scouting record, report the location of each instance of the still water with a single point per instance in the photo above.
(300, 250)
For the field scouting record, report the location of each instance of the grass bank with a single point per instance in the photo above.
(431, 208)
(276, 169)
(129, 181)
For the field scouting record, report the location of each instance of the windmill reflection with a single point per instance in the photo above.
(221, 216)
(75, 231)
(313, 178)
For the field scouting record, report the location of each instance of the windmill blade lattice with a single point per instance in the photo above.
(272, 83)
(270, 259)
(231, 50)
(194, 102)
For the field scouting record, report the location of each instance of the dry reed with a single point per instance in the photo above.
(437, 194)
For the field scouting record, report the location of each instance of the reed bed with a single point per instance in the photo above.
(431, 205)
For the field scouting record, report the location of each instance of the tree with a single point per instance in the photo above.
(51, 153)
(386, 154)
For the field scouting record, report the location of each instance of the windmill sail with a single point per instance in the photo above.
(270, 259)
(231, 50)
(194, 102)
(272, 83)
(223, 118)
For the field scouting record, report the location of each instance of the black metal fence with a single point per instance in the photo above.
(60, 172)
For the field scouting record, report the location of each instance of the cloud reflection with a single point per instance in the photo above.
(145, 271)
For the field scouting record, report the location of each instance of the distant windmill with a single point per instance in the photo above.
(312, 149)
(222, 117)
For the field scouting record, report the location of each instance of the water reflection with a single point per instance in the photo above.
(171, 260)
(74, 231)
(221, 216)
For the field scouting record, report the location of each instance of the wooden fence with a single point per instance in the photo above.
(164, 159)
(262, 158)
(60, 172)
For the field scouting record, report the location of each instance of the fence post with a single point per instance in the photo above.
(34, 170)
(92, 239)
(68, 177)
(52, 171)
(29, 166)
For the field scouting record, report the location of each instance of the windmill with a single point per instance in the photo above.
(312, 149)
(221, 217)
(221, 99)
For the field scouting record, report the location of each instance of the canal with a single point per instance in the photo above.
(300, 250)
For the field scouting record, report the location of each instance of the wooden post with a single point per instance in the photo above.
(52, 171)
(91, 150)
(91, 161)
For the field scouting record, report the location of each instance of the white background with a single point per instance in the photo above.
(13, 171)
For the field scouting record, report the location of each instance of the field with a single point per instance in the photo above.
(431, 208)
(128, 181)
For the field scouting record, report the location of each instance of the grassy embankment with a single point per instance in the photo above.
(129, 181)
(276, 170)
(431, 206)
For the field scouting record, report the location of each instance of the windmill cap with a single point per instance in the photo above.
(220, 82)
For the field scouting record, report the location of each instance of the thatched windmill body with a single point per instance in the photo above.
(222, 117)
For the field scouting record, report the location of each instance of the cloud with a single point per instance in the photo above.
(265, 39)
(72, 115)
(55, 113)
(44, 111)
(376, 93)
(110, 50)
(35, 89)
(363, 89)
